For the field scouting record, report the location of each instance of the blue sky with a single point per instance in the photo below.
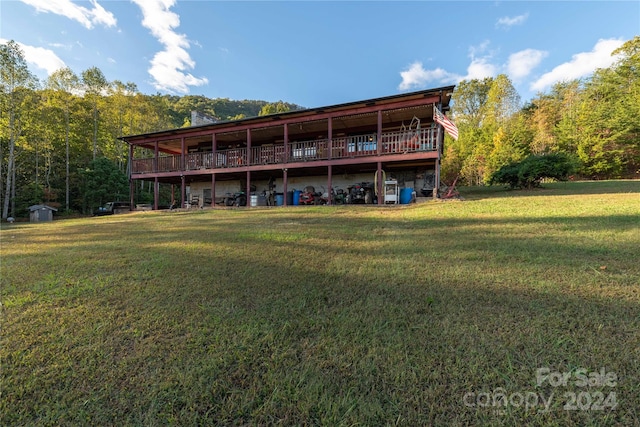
(317, 53)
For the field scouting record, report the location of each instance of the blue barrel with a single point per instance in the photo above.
(405, 195)
(279, 199)
(289, 198)
(296, 197)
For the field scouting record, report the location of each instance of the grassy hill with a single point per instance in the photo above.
(442, 313)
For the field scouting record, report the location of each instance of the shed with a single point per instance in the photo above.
(41, 213)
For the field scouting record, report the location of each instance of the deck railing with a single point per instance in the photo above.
(402, 142)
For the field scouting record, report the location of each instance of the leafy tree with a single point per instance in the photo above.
(483, 110)
(462, 157)
(16, 81)
(469, 100)
(64, 83)
(102, 181)
(613, 97)
(502, 102)
(120, 99)
(95, 83)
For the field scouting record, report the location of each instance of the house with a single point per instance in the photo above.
(41, 213)
(328, 147)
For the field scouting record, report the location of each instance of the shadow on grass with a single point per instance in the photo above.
(296, 319)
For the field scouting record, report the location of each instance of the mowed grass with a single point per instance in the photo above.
(439, 313)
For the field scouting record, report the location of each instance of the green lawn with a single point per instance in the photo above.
(426, 314)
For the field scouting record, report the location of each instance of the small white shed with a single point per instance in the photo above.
(41, 213)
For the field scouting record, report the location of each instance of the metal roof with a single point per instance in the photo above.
(38, 207)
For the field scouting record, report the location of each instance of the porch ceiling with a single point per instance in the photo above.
(350, 118)
(392, 120)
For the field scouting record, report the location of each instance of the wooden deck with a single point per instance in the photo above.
(316, 151)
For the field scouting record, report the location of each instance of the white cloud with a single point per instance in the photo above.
(581, 65)
(480, 68)
(508, 22)
(87, 17)
(40, 57)
(520, 64)
(416, 76)
(168, 66)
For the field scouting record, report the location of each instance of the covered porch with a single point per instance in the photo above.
(363, 138)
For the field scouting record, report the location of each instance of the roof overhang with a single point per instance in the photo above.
(396, 108)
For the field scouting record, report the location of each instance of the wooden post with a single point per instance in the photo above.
(379, 137)
(214, 148)
(380, 186)
(214, 155)
(156, 193)
(182, 160)
(249, 160)
(183, 191)
(155, 156)
(248, 193)
(329, 184)
(132, 189)
(213, 190)
(286, 143)
(329, 137)
(284, 186)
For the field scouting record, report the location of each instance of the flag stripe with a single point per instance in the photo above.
(448, 125)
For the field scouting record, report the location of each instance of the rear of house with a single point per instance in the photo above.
(370, 142)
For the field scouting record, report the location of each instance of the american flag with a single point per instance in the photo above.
(448, 125)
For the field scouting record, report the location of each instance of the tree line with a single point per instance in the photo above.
(59, 138)
(595, 121)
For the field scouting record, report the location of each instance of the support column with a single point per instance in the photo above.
(284, 185)
(214, 156)
(329, 184)
(330, 137)
(156, 193)
(132, 189)
(436, 187)
(249, 159)
(379, 137)
(182, 162)
(285, 178)
(380, 185)
(132, 192)
(173, 195)
(213, 190)
(155, 156)
(183, 191)
(286, 143)
(248, 193)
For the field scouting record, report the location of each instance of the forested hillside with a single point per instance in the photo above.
(60, 136)
(596, 121)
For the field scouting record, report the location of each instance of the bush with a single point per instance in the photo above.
(530, 172)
